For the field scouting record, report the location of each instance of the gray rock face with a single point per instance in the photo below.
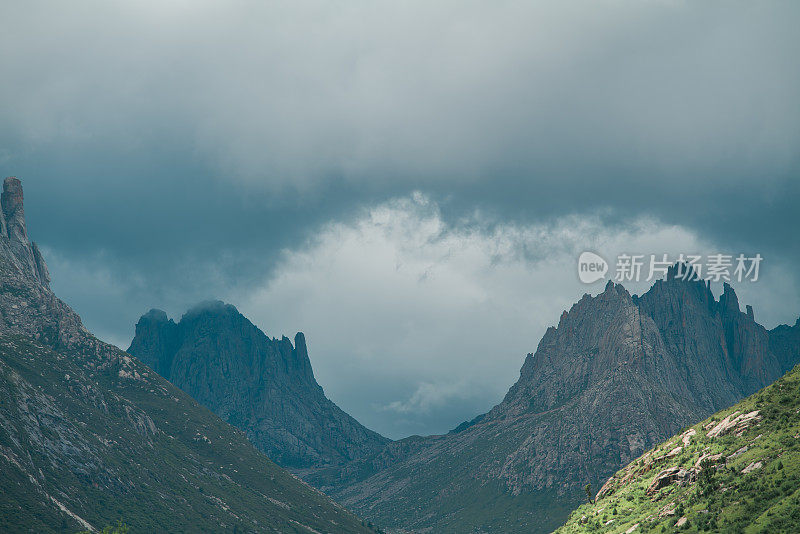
(618, 374)
(20, 253)
(264, 386)
(27, 305)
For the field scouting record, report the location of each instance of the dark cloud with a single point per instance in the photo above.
(171, 153)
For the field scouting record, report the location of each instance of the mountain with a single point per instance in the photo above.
(90, 435)
(618, 374)
(738, 471)
(263, 386)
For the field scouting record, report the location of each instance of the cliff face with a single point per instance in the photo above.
(20, 252)
(264, 386)
(90, 435)
(27, 305)
(618, 374)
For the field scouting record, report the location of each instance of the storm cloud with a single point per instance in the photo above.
(174, 153)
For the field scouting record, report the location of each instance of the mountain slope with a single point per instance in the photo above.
(263, 386)
(618, 374)
(738, 471)
(89, 435)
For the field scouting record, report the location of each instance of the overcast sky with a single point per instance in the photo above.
(408, 183)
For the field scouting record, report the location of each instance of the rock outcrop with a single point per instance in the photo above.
(735, 423)
(264, 386)
(27, 305)
(672, 475)
(24, 255)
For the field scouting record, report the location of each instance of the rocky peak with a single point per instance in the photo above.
(13, 211)
(263, 385)
(710, 351)
(728, 301)
(156, 340)
(77, 414)
(155, 315)
(19, 252)
(684, 272)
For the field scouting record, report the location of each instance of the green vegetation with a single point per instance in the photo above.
(588, 490)
(738, 472)
(119, 528)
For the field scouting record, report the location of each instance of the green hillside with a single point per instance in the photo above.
(738, 471)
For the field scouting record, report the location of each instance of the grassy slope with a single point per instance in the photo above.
(723, 498)
(193, 474)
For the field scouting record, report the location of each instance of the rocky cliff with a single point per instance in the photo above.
(264, 386)
(89, 435)
(618, 374)
(23, 254)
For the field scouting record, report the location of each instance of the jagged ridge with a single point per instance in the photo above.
(263, 386)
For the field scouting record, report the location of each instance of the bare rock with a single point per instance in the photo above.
(672, 475)
(736, 423)
(752, 467)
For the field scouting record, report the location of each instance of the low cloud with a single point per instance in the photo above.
(428, 396)
(407, 313)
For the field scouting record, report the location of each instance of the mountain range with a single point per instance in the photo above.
(90, 435)
(164, 436)
(619, 373)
